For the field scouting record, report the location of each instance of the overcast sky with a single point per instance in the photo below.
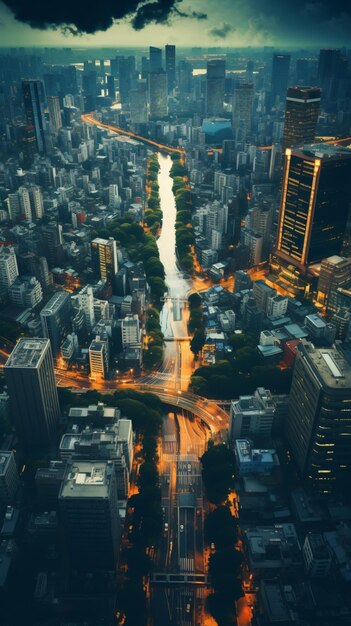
(202, 23)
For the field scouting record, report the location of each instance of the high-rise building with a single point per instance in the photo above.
(242, 108)
(99, 358)
(170, 66)
(9, 479)
(55, 319)
(329, 64)
(34, 106)
(315, 204)
(36, 201)
(155, 62)
(126, 73)
(280, 76)
(28, 144)
(138, 102)
(55, 112)
(318, 427)
(301, 115)
(30, 378)
(52, 242)
(335, 272)
(104, 259)
(89, 510)
(158, 94)
(215, 84)
(8, 268)
(130, 328)
(113, 196)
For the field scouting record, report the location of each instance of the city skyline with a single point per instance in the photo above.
(304, 24)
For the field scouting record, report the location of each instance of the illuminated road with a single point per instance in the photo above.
(88, 118)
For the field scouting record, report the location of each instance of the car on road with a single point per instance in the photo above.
(189, 467)
(166, 527)
(198, 512)
(181, 528)
(188, 607)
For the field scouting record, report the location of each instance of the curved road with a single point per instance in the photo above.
(88, 118)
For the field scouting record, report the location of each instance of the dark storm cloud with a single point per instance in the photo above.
(79, 16)
(221, 31)
(300, 17)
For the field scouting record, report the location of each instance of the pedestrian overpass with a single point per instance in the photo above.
(162, 578)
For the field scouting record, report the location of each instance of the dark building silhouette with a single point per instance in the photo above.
(171, 67)
(55, 319)
(319, 427)
(215, 83)
(301, 115)
(30, 378)
(34, 106)
(89, 510)
(280, 76)
(155, 59)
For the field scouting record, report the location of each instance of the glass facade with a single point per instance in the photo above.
(315, 204)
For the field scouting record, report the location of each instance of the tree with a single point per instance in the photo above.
(221, 528)
(224, 569)
(198, 385)
(195, 301)
(221, 609)
(157, 286)
(218, 467)
(198, 341)
(246, 358)
(152, 324)
(152, 356)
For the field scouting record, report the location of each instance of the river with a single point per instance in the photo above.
(173, 320)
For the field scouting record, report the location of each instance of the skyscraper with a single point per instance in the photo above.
(30, 378)
(301, 115)
(138, 102)
(34, 105)
(315, 204)
(89, 510)
(104, 259)
(170, 66)
(55, 112)
(155, 63)
(158, 94)
(318, 428)
(215, 83)
(280, 76)
(55, 319)
(335, 273)
(329, 65)
(242, 109)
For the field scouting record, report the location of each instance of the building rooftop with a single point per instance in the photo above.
(54, 303)
(247, 454)
(275, 605)
(315, 320)
(323, 151)
(306, 508)
(272, 547)
(4, 461)
(318, 546)
(328, 364)
(27, 353)
(84, 479)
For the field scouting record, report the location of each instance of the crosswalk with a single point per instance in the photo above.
(186, 564)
